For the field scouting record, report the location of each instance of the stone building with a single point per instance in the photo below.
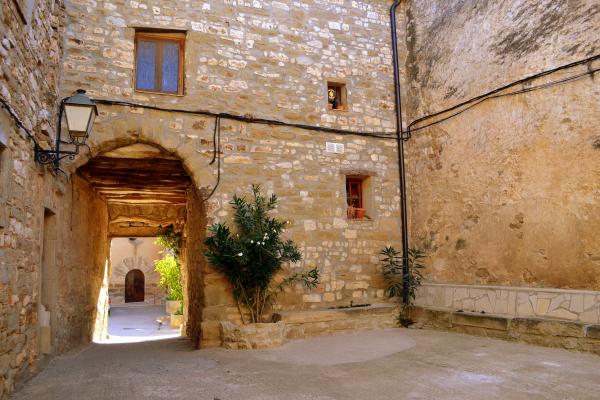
(132, 276)
(503, 197)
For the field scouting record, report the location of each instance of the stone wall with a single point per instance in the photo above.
(311, 187)
(48, 285)
(505, 193)
(30, 89)
(264, 58)
(270, 60)
(86, 252)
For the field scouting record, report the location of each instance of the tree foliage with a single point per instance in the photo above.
(169, 240)
(170, 276)
(252, 256)
(168, 266)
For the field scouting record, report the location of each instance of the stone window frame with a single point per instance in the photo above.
(162, 35)
(343, 88)
(369, 180)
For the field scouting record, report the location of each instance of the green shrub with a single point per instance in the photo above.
(393, 273)
(170, 276)
(252, 256)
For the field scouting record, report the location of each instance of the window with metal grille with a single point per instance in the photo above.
(159, 59)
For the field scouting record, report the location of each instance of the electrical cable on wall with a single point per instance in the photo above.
(17, 120)
(496, 93)
(249, 119)
(216, 154)
(461, 107)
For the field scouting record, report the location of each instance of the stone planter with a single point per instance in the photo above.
(252, 336)
(176, 320)
(171, 306)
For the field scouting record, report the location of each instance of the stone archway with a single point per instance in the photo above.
(207, 297)
(135, 283)
(144, 188)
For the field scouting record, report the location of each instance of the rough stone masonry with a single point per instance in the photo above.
(504, 196)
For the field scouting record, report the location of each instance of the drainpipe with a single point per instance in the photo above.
(400, 144)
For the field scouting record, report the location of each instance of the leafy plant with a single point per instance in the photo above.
(252, 256)
(393, 273)
(169, 240)
(168, 266)
(170, 276)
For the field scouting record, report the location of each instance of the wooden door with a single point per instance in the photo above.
(134, 286)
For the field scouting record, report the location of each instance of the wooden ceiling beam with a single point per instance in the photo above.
(144, 181)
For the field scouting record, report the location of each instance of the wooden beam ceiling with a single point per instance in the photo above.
(138, 181)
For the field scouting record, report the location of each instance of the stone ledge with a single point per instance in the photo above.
(326, 315)
(547, 327)
(544, 332)
(252, 336)
(302, 324)
(480, 321)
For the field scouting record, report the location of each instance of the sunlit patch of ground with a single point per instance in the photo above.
(138, 322)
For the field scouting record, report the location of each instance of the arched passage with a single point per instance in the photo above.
(135, 283)
(145, 188)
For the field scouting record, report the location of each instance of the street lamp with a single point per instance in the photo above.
(80, 112)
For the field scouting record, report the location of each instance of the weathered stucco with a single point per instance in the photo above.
(506, 193)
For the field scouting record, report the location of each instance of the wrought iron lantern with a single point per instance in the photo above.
(80, 112)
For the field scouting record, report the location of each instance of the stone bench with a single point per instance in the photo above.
(549, 332)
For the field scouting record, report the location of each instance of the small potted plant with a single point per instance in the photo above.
(359, 213)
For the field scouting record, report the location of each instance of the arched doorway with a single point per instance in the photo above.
(134, 286)
(144, 188)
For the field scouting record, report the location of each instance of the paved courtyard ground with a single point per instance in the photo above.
(137, 322)
(391, 364)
